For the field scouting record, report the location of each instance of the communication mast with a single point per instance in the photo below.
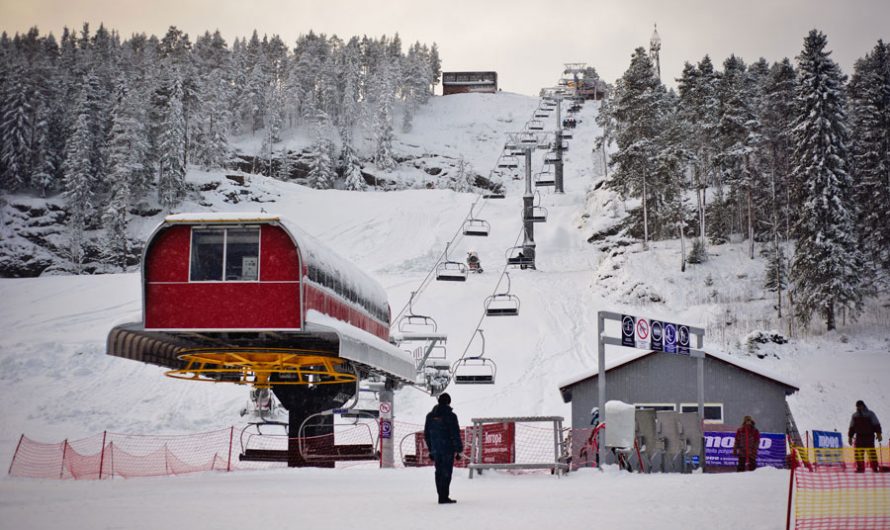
(654, 49)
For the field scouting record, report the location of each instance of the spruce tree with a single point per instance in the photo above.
(870, 116)
(171, 168)
(638, 112)
(827, 271)
(79, 180)
(321, 166)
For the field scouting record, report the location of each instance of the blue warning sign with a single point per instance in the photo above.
(683, 339)
(657, 334)
(385, 428)
(670, 337)
(628, 331)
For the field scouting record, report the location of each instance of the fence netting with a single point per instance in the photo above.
(841, 488)
(108, 455)
(116, 455)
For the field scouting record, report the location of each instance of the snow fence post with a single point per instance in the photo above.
(231, 437)
(790, 493)
(64, 453)
(601, 386)
(18, 445)
(102, 454)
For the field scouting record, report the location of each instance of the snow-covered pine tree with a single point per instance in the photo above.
(739, 141)
(171, 167)
(351, 169)
(776, 118)
(828, 269)
(870, 119)
(605, 119)
(435, 67)
(285, 165)
(638, 111)
(383, 133)
(462, 178)
(322, 171)
(697, 111)
(17, 128)
(79, 179)
(776, 279)
(122, 164)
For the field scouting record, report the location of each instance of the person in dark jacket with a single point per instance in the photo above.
(864, 428)
(442, 435)
(747, 441)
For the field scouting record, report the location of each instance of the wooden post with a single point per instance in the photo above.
(64, 452)
(22, 437)
(102, 455)
(790, 494)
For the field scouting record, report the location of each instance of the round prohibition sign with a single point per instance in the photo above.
(643, 329)
(627, 326)
(385, 407)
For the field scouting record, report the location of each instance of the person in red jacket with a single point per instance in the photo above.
(747, 441)
(864, 428)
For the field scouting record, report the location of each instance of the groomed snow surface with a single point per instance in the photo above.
(56, 381)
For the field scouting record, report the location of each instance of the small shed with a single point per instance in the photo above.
(664, 381)
(466, 82)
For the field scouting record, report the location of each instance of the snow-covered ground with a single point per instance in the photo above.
(56, 381)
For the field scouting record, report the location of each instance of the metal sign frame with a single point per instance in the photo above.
(696, 353)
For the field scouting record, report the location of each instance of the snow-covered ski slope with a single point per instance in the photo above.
(56, 381)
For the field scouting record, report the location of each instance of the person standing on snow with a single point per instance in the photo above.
(747, 441)
(865, 427)
(442, 435)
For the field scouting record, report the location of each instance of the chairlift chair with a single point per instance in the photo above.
(538, 214)
(536, 125)
(475, 369)
(567, 135)
(544, 179)
(477, 227)
(494, 196)
(505, 304)
(515, 258)
(508, 162)
(550, 160)
(412, 322)
(451, 271)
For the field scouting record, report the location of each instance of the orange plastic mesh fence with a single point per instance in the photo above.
(109, 455)
(826, 500)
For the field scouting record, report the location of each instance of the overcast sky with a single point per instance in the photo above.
(526, 42)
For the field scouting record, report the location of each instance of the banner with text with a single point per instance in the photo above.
(718, 449)
(498, 445)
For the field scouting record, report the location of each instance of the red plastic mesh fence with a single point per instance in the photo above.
(109, 455)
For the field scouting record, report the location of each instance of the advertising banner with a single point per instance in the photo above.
(718, 449)
(498, 445)
(829, 445)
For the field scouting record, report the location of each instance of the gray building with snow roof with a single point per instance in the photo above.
(667, 382)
